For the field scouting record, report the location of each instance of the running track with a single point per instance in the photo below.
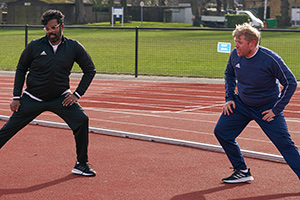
(185, 111)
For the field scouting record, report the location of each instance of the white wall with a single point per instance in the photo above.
(296, 17)
(182, 14)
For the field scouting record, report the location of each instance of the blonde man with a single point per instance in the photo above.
(256, 72)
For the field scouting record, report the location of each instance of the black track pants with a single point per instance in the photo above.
(73, 115)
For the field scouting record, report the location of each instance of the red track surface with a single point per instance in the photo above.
(36, 163)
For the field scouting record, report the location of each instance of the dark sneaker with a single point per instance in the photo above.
(238, 177)
(83, 169)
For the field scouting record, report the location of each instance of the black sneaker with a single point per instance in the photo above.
(238, 177)
(83, 169)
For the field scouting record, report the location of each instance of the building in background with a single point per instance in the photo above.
(30, 11)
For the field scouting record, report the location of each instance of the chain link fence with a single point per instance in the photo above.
(149, 51)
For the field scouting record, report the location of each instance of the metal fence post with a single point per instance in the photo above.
(26, 34)
(136, 50)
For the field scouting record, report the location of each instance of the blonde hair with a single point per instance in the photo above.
(248, 31)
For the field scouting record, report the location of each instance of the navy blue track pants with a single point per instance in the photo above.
(230, 126)
(73, 115)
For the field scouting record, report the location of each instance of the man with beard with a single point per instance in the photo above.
(257, 73)
(49, 61)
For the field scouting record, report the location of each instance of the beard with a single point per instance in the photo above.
(53, 38)
(245, 52)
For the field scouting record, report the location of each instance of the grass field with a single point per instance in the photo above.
(161, 52)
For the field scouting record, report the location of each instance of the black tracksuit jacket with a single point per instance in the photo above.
(48, 75)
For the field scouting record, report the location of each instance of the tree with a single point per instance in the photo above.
(100, 5)
(80, 12)
(285, 19)
(125, 10)
(195, 13)
(231, 4)
(111, 4)
(219, 7)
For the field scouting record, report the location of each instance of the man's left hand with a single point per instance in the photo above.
(268, 115)
(69, 100)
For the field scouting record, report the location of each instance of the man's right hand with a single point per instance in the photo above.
(14, 105)
(228, 107)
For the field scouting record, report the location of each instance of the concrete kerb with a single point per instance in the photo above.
(160, 78)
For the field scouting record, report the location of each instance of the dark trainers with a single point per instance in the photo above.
(238, 177)
(83, 169)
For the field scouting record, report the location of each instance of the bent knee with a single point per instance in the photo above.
(83, 118)
(217, 130)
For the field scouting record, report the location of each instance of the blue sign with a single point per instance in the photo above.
(224, 47)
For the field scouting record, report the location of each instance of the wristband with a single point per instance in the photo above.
(77, 95)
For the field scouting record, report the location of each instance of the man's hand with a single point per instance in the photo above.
(69, 100)
(268, 115)
(14, 105)
(228, 107)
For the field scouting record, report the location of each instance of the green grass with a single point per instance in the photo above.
(145, 24)
(191, 53)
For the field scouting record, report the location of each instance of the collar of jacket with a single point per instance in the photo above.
(63, 39)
